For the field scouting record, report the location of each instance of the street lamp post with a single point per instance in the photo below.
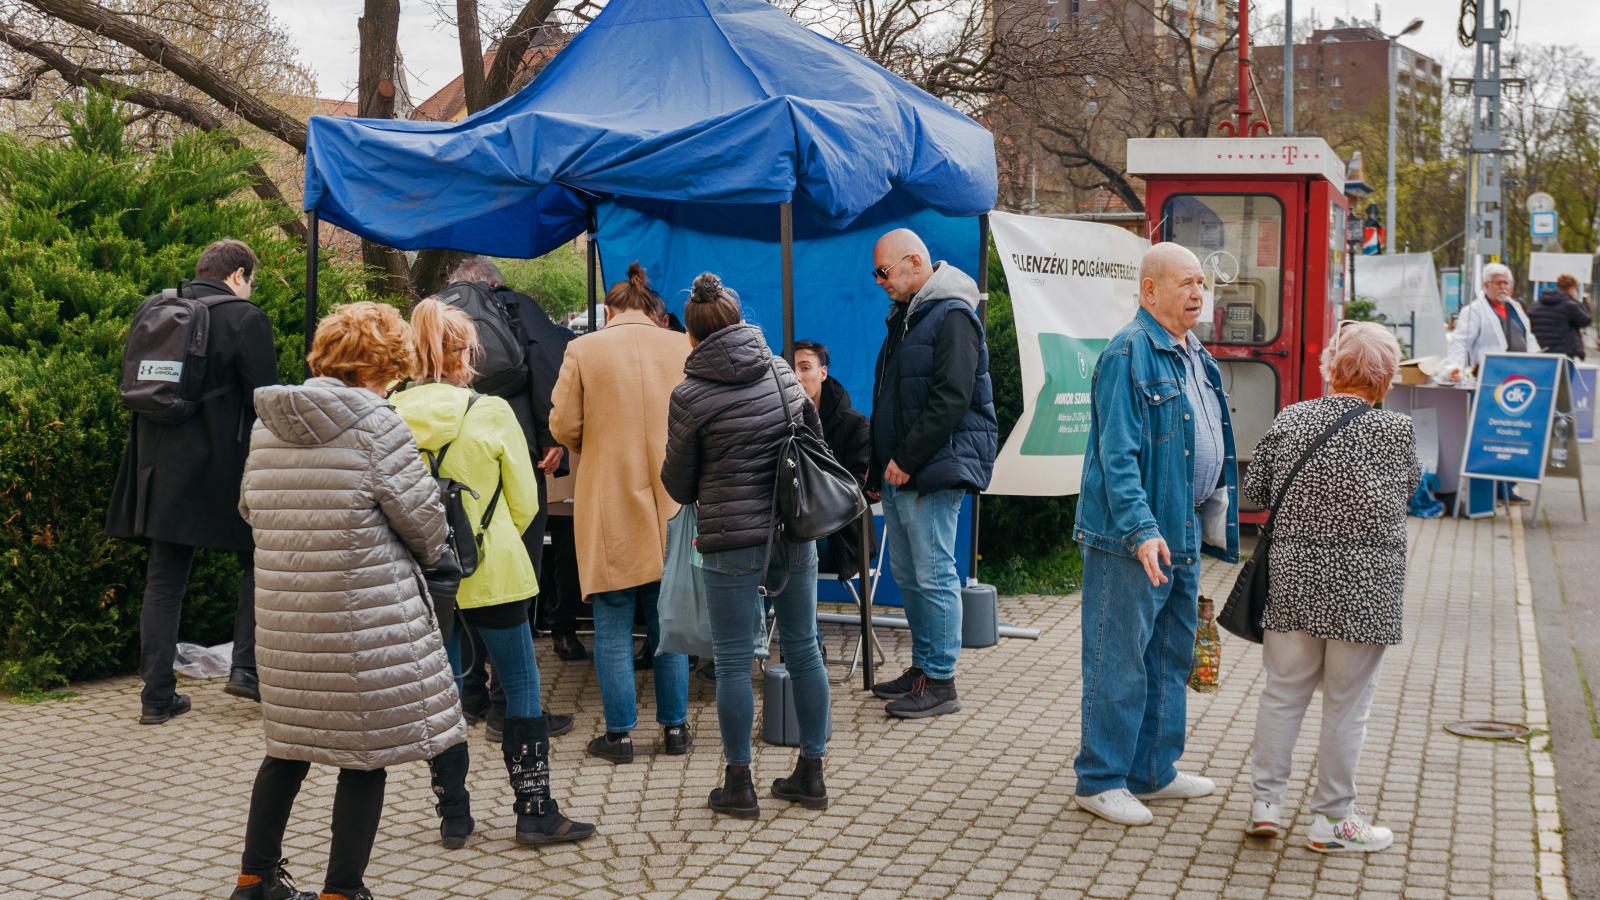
(1394, 80)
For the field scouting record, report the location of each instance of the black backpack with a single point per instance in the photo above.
(503, 367)
(465, 541)
(164, 358)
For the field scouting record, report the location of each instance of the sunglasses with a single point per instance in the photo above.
(1334, 346)
(881, 273)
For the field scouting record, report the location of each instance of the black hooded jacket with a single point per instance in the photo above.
(849, 435)
(723, 431)
(1558, 321)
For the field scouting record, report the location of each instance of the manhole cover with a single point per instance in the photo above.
(1494, 731)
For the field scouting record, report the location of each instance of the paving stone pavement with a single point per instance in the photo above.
(974, 804)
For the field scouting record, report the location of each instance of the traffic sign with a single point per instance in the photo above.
(1542, 223)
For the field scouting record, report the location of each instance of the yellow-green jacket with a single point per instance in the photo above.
(486, 445)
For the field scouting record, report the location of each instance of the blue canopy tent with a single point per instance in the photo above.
(690, 135)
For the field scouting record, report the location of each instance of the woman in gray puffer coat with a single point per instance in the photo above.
(723, 432)
(353, 670)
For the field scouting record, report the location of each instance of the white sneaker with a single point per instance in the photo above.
(1184, 787)
(1116, 805)
(1351, 834)
(1266, 820)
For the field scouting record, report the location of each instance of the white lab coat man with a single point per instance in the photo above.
(1478, 329)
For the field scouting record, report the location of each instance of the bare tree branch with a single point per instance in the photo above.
(199, 117)
(514, 46)
(196, 72)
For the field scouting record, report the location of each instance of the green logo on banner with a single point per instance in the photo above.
(1060, 424)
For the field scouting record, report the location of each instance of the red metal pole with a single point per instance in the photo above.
(1243, 128)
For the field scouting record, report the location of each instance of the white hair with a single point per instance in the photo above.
(1493, 269)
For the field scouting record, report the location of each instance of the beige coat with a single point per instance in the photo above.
(353, 671)
(610, 404)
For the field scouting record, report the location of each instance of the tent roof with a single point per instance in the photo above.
(713, 101)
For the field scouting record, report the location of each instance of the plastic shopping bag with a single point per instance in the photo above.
(685, 619)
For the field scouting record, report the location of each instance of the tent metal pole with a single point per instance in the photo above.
(313, 241)
(786, 242)
(593, 258)
(983, 310)
(865, 619)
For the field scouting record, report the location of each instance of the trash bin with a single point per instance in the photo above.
(780, 726)
(980, 615)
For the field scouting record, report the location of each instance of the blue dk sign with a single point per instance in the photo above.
(1509, 434)
(1583, 399)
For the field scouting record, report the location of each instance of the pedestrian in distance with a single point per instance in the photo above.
(1559, 317)
(476, 440)
(1160, 488)
(848, 434)
(353, 668)
(1337, 574)
(1493, 323)
(610, 406)
(729, 416)
(177, 489)
(934, 437)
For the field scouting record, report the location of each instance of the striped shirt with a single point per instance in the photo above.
(1206, 464)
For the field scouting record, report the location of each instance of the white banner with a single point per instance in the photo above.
(1073, 285)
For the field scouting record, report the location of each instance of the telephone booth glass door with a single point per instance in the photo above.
(1247, 237)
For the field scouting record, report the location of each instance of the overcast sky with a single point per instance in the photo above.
(326, 33)
(1575, 22)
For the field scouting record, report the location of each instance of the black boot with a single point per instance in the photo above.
(449, 775)
(737, 796)
(275, 885)
(805, 786)
(527, 754)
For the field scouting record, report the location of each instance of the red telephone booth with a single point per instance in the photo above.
(1266, 216)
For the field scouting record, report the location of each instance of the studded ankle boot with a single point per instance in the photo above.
(526, 747)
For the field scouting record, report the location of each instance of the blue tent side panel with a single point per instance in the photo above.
(837, 303)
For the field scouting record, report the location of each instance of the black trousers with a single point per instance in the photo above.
(166, 581)
(357, 809)
(561, 596)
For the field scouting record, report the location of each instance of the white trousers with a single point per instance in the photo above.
(1296, 664)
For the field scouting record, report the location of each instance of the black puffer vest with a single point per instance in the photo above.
(966, 461)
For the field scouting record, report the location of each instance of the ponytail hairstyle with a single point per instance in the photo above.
(711, 308)
(634, 294)
(446, 343)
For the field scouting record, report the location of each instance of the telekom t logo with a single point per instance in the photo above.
(1289, 153)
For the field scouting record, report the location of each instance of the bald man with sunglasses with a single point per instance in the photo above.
(933, 439)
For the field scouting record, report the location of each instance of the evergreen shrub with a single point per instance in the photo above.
(89, 227)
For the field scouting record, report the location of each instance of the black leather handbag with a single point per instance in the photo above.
(813, 496)
(816, 496)
(1247, 602)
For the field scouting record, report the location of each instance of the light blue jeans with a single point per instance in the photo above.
(511, 654)
(736, 610)
(613, 660)
(1138, 647)
(921, 530)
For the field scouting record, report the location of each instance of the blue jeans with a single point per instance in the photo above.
(732, 577)
(511, 654)
(1138, 647)
(613, 660)
(921, 531)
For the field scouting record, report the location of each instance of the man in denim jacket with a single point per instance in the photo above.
(1159, 488)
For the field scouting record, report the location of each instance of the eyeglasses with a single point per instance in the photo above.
(881, 273)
